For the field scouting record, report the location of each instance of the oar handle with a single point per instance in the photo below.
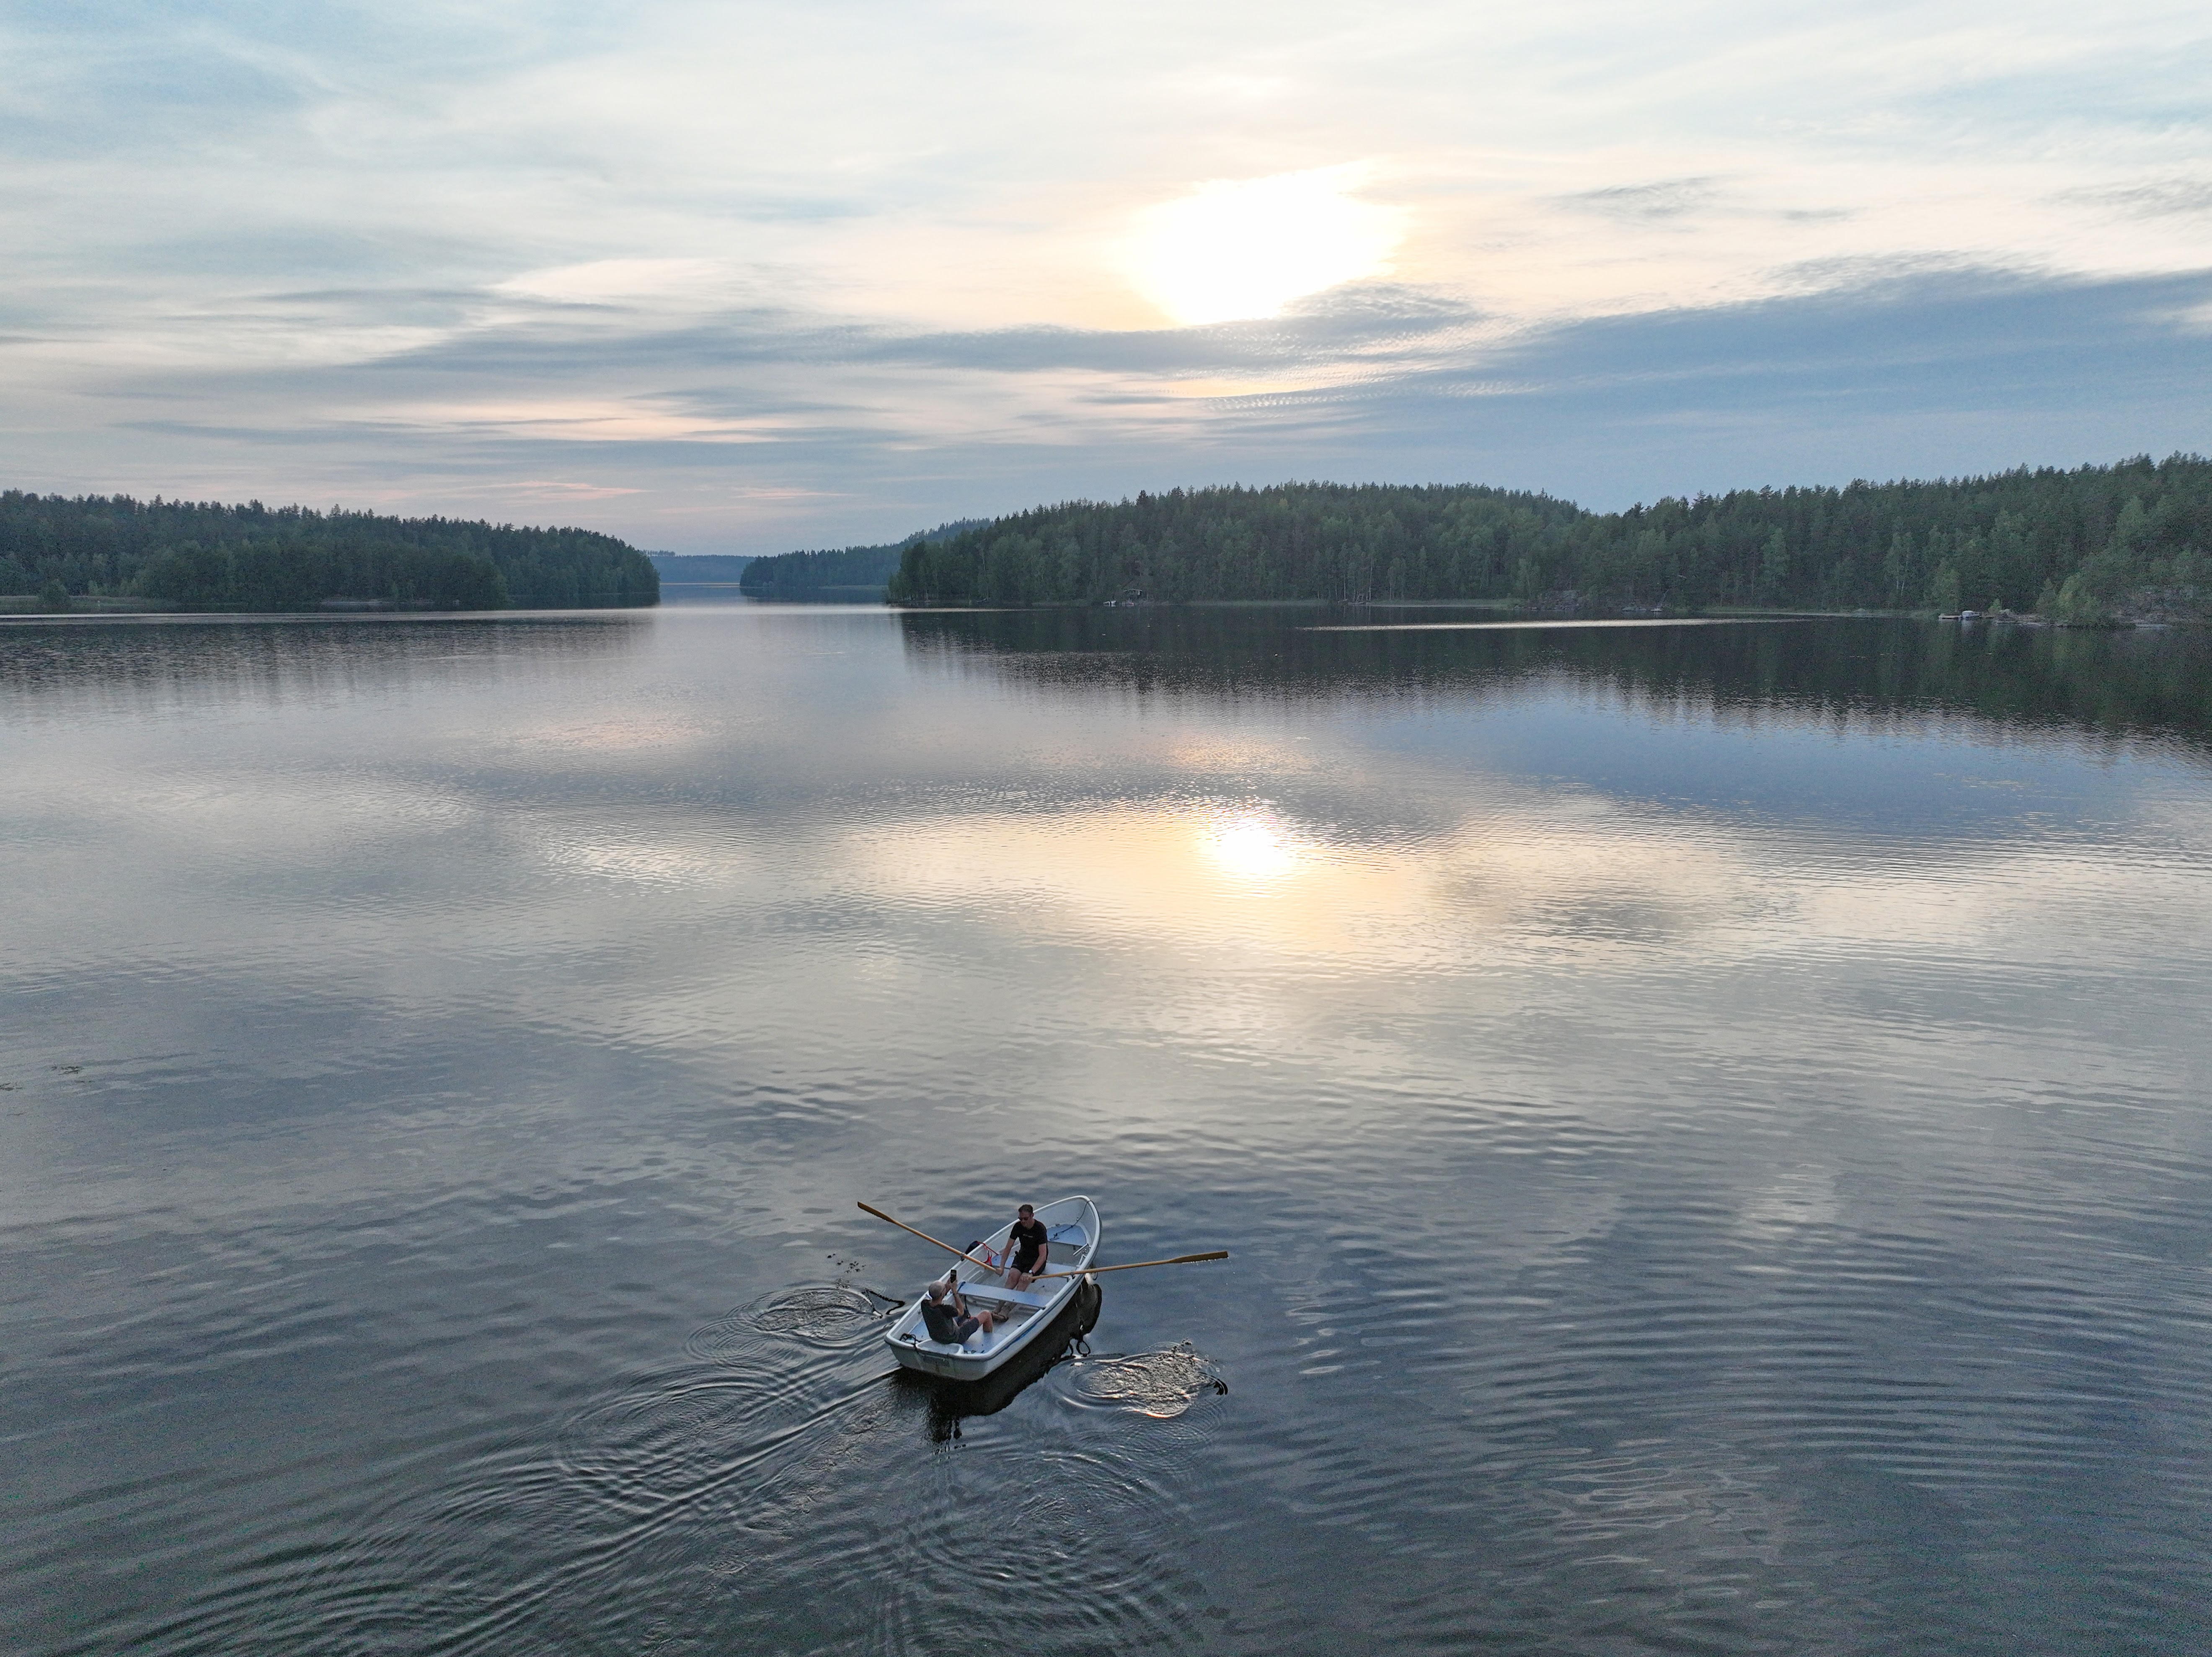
(1087, 1270)
(1139, 1265)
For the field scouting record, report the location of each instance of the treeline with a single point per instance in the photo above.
(841, 572)
(2080, 545)
(208, 555)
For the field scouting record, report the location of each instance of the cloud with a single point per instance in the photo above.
(771, 275)
(618, 281)
(1671, 198)
(2153, 198)
(818, 430)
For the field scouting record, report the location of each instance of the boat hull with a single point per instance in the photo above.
(951, 1402)
(970, 1366)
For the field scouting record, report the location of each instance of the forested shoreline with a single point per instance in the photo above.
(2085, 545)
(206, 556)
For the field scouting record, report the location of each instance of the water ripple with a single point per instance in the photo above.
(1714, 1150)
(1162, 1385)
(831, 1315)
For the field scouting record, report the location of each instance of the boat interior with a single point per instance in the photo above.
(1070, 1232)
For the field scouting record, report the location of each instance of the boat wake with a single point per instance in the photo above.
(775, 1484)
(1162, 1385)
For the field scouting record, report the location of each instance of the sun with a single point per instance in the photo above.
(1233, 249)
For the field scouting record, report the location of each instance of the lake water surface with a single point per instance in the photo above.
(1711, 1122)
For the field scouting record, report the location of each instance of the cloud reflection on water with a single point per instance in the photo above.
(1728, 1112)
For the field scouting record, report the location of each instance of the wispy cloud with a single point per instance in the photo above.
(2152, 198)
(1671, 198)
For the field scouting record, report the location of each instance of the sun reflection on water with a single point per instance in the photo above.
(1250, 848)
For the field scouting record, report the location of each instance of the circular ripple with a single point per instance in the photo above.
(826, 1313)
(1065, 1548)
(1162, 1385)
(767, 1374)
(661, 1440)
(829, 1315)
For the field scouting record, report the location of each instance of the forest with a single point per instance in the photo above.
(2087, 545)
(207, 555)
(843, 573)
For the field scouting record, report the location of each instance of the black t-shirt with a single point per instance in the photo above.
(1029, 1244)
(943, 1324)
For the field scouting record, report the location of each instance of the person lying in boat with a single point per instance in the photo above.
(947, 1316)
(1025, 1246)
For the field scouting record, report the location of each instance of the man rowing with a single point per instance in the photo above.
(1025, 1246)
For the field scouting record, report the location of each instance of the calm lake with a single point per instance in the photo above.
(1710, 1121)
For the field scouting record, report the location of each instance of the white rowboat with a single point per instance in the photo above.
(1019, 1316)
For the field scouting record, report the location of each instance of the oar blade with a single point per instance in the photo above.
(924, 1235)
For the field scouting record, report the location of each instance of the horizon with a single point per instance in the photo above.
(2178, 456)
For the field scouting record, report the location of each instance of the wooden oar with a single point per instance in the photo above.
(1137, 1265)
(1134, 1265)
(927, 1238)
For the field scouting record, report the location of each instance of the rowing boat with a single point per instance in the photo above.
(1018, 1315)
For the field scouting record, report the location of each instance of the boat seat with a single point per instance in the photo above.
(976, 1291)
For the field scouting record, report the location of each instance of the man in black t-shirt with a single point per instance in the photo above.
(1025, 1249)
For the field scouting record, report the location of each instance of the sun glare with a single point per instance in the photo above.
(1251, 849)
(1243, 248)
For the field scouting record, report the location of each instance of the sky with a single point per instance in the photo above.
(741, 277)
